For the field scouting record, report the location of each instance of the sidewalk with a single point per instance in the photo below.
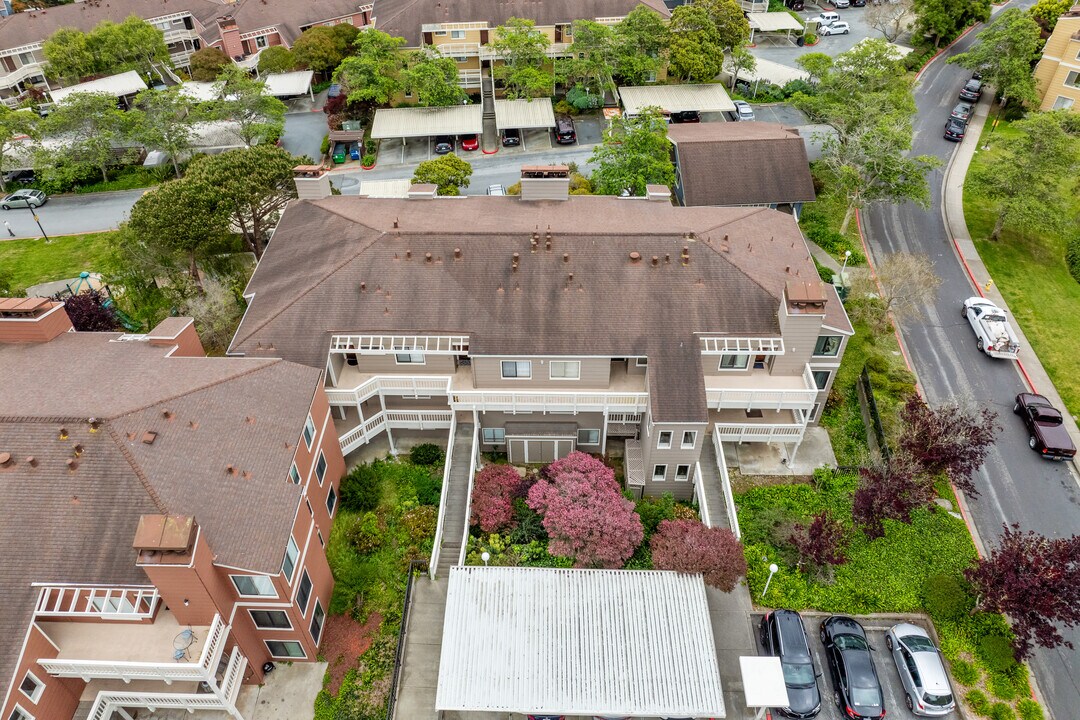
(952, 210)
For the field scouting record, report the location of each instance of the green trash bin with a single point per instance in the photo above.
(339, 153)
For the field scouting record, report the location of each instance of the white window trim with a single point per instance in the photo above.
(295, 561)
(296, 595)
(294, 474)
(309, 424)
(320, 456)
(515, 377)
(589, 430)
(839, 344)
(641, 362)
(303, 656)
(19, 708)
(457, 34)
(829, 373)
(693, 443)
(410, 361)
(1076, 83)
(720, 364)
(494, 440)
(322, 624)
(38, 692)
(683, 478)
(660, 444)
(663, 475)
(251, 612)
(439, 33)
(331, 494)
(552, 364)
(265, 577)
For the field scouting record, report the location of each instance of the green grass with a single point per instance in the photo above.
(33, 261)
(1031, 274)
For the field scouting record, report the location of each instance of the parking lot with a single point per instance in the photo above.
(893, 690)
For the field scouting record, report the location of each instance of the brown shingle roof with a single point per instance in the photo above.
(741, 163)
(403, 18)
(305, 291)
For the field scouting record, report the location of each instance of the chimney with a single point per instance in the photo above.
(32, 320)
(231, 44)
(423, 191)
(658, 193)
(457, 253)
(312, 182)
(149, 437)
(545, 182)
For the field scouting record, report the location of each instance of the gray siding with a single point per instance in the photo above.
(800, 335)
(672, 457)
(584, 421)
(386, 364)
(595, 373)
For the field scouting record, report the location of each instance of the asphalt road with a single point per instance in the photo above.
(70, 214)
(1015, 484)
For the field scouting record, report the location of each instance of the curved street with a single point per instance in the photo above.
(72, 214)
(1016, 485)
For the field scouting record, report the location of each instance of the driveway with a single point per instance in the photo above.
(303, 133)
(786, 53)
(786, 114)
(71, 214)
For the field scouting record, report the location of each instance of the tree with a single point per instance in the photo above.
(449, 172)
(1047, 12)
(257, 117)
(251, 185)
(731, 24)
(89, 313)
(905, 283)
(91, 129)
(890, 491)
(635, 153)
(947, 439)
(494, 491)
(433, 79)
(206, 63)
(944, 19)
(217, 311)
(322, 48)
(696, 48)
(68, 55)
(370, 75)
(641, 41)
(1024, 178)
(822, 542)
(1003, 54)
(523, 50)
(740, 59)
(276, 59)
(1035, 581)
(15, 126)
(109, 48)
(591, 64)
(165, 122)
(584, 512)
(890, 19)
(687, 546)
(816, 64)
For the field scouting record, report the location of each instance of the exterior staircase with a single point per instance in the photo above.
(457, 497)
(711, 486)
(487, 93)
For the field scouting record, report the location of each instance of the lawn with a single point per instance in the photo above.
(32, 261)
(1030, 272)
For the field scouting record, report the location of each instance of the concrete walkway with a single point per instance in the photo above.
(423, 646)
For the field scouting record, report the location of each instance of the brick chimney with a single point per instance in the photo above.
(179, 333)
(545, 182)
(24, 320)
(231, 43)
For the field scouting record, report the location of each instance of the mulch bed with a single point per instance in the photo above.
(344, 641)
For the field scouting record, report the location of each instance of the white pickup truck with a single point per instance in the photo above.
(993, 332)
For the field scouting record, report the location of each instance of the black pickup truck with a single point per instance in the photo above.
(1048, 435)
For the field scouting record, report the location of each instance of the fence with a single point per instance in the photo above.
(876, 426)
(416, 566)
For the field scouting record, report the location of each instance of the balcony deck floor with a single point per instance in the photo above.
(124, 642)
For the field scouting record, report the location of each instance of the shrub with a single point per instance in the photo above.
(979, 702)
(565, 108)
(514, 189)
(799, 86)
(946, 597)
(1029, 710)
(581, 99)
(324, 147)
(420, 522)
(367, 160)
(1001, 711)
(428, 488)
(91, 311)
(530, 526)
(810, 38)
(370, 146)
(822, 542)
(363, 533)
(1072, 257)
(426, 454)
(688, 546)
(361, 489)
(494, 491)
(996, 651)
(653, 511)
(965, 672)
(1001, 686)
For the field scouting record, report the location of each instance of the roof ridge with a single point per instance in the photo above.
(753, 211)
(137, 469)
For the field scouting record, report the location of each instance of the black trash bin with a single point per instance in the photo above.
(800, 41)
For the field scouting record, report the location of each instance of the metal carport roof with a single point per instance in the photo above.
(710, 97)
(578, 642)
(425, 122)
(773, 22)
(289, 84)
(127, 83)
(524, 114)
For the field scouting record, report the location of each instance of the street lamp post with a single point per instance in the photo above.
(37, 220)
(847, 256)
(772, 571)
(485, 556)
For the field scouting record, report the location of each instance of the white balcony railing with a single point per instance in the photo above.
(201, 670)
(474, 465)
(381, 344)
(747, 432)
(107, 603)
(748, 345)
(765, 398)
(394, 419)
(539, 401)
(725, 484)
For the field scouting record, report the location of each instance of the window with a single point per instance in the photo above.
(565, 369)
(440, 33)
(457, 34)
(1063, 103)
(521, 369)
(316, 622)
(734, 362)
(31, 687)
(814, 412)
(827, 346)
(288, 565)
(331, 501)
(689, 440)
(494, 436)
(659, 472)
(664, 441)
(26, 58)
(641, 362)
(1072, 79)
(821, 378)
(409, 358)
(294, 475)
(117, 605)
(303, 593)
(461, 58)
(285, 649)
(319, 534)
(320, 467)
(260, 42)
(254, 585)
(309, 432)
(588, 437)
(19, 714)
(682, 472)
(651, 77)
(271, 619)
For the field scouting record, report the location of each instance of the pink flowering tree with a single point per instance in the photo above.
(494, 491)
(688, 546)
(585, 515)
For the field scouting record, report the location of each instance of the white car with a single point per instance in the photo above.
(992, 331)
(837, 28)
(841, 4)
(743, 111)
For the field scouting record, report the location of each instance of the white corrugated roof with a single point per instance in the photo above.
(385, 188)
(127, 83)
(523, 114)
(676, 98)
(201, 91)
(425, 122)
(288, 84)
(773, 72)
(578, 642)
(773, 21)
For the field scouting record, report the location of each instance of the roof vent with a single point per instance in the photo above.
(363, 287)
(78, 449)
(566, 257)
(193, 425)
(72, 464)
(655, 260)
(230, 470)
(635, 257)
(457, 253)
(5, 459)
(32, 461)
(249, 420)
(408, 254)
(168, 414)
(63, 434)
(149, 437)
(94, 424)
(427, 257)
(685, 255)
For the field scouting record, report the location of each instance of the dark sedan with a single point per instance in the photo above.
(856, 688)
(971, 91)
(443, 144)
(962, 111)
(783, 636)
(955, 129)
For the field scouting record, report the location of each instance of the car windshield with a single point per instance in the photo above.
(850, 642)
(1050, 418)
(938, 700)
(798, 674)
(865, 697)
(996, 318)
(918, 643)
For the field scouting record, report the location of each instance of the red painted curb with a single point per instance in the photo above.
(942, 50)
(489, 153)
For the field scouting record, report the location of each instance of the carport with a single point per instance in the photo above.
(290, 84)
(773, 23)
(709, 98)
(524, 115)
(408, 123)
(201, 91)
(123, 85)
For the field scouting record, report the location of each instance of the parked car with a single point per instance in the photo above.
(856, 688)
(993, 333)
(842, 4)
(962, 111)
(921, 670)
(564, 130)
(22, 177)
(1046, 428)
(27, 197)
(972, 90)
(443, 144)
(955, 129)
(858, 3)
(796, 5)
(511, 137)
(470, 142)
(827, 18)
(496, 190)
(743, 111)
(686, 116)
(547, 717)
(783, 636)
(837, 28)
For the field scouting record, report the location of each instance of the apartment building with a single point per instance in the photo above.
(552, 325)
(1058, 73)
(164, 517)
(241, 28)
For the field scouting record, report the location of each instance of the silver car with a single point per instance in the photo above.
(743, 111)
(24, 198)
(926, 684)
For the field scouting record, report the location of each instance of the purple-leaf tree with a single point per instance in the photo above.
(688, 546)
(948, 438)
(890, 491)
(494, 491)
(89, 313)
(584, 513)
(822, 542)
(1034, 580)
